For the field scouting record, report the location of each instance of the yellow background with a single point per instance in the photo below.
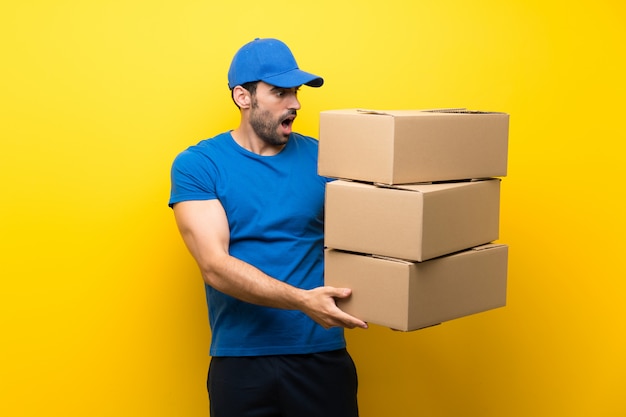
(102, 310)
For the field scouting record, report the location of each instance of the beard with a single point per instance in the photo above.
(267, 128)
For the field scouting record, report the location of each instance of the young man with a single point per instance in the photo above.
(249, 205)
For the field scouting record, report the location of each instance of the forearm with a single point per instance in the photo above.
(204, 229)
(245, 282)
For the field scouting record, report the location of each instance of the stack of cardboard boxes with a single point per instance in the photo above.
(411, 219)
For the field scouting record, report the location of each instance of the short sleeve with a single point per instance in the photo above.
(192, 178)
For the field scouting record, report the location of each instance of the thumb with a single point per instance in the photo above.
(342, 292)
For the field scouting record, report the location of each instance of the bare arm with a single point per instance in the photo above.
(204, 228)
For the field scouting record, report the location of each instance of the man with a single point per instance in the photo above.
(249, 206)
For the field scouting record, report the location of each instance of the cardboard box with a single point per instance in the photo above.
(409, 146)
(409, 296)
(414, 222)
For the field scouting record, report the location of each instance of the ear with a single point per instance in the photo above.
(242, 97)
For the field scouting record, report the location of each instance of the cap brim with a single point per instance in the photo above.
(294, 78)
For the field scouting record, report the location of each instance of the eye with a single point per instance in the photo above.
(281, 92)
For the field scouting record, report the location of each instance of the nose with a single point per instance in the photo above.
(294, 103)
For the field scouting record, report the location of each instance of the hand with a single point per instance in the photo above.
(319, 304)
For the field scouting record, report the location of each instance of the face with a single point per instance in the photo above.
(272, 112)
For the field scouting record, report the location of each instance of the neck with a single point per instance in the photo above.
(248, 139)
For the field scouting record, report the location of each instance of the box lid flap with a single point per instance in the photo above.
(432, 186)
(391, 259)
(410, 112)
(488, 246)
(400, 113)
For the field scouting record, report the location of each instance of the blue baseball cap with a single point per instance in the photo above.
(271, 61)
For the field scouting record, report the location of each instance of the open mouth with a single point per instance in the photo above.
(288, 121)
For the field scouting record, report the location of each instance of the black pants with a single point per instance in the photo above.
(313, 385)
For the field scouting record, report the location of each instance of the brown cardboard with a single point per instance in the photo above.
(414, 222)
(409, 296)
(409, 146)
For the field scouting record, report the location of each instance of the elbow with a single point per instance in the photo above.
(211, 271)
(209, 274)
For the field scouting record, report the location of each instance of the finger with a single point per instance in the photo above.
(340, 292)
(351, 322)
